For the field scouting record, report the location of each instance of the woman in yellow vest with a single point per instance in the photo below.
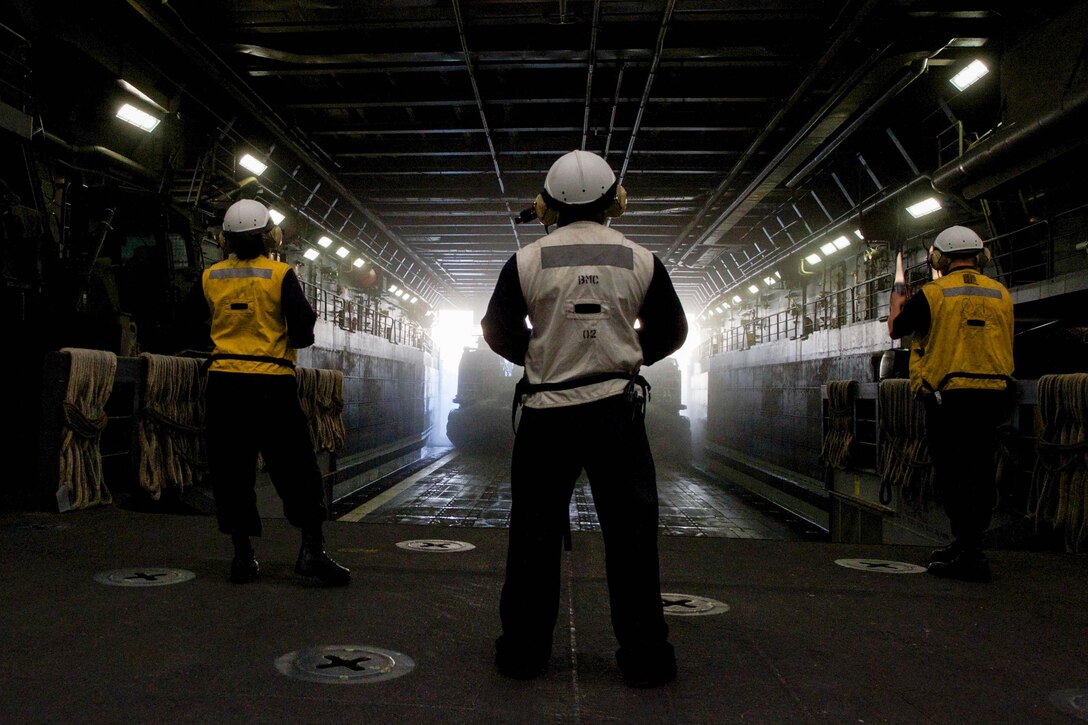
(961, 366)
(259, 317)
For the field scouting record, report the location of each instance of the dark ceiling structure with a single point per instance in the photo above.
(415, 132)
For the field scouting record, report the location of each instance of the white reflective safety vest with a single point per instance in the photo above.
(584, 285)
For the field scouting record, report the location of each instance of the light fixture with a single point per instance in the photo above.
(141, 95)
(311, 253)
(926, 206)
(252, 164)
(858, 234)
(137, 118)
(342, 252)
(737, 299)
(359, 262)
(393, 288)
(813, 258)
(769, 281)
(841, 242)
(276, 216)
(719, 308)
(753, 288)
(324, 242)
(413, 300)
(966, 77)
(828, 249)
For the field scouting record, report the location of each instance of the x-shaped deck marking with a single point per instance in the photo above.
(432, 545)
(678, 603)
(334, 661)
(145, 577)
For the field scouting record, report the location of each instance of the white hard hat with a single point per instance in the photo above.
(246, 215)
(955, 240)
(579, 177)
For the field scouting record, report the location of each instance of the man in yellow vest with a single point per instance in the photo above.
(961, 366)
(582, 288)
(259, 317)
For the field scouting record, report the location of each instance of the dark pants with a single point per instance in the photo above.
(962, 435)
(246, 414)
(551, 448)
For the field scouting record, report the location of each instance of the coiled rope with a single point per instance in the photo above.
(171, 424)
(321, 393)
(90, 382)
(904, 455)
(838, 445)
(1058, 498)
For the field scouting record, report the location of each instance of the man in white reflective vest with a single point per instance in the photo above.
(565, 308)
(961, 366)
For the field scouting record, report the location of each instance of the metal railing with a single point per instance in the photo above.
(362, 314)
(1037, 252)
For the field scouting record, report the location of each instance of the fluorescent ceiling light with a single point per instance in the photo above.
(753, 288)
(927, 206)
(359, 262)
(276, 216)
(841, 242)
(413, 300)
(768, 280)
(718, 308)
(393, 288)
(311, 253)
(966, 77)
(324, 241)
(813, 259)
(828, 249)
(858, 234)
(137, 118)
(725, 305)
(252, 164)
(737, 300)
(342, 252)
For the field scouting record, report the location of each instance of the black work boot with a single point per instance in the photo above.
(946, 553)
(969, 565)
(315, 563)
(244, 567)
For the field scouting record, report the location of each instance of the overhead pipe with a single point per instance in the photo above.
(659, 48)
(108, 155)
(1015, 149)
(589, 72)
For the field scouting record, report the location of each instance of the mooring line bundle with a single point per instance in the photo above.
(904, 455)
(171, 424)
(90, 382)
(1059, 483)
(321, 393)
(838, 446)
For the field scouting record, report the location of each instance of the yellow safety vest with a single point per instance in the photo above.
(247, 318)
(969, 342)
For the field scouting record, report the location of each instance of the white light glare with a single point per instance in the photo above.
(252, 164)
(927, 206)
(342, 252)
(769, 280)
(137, 118)
(966, 77)
(858, 234)
(359, 262)
(828, 249)
(311, 253)
(324, 241)
(813, 259)
(276, 216)
(413, 300)
(393, 288)
(841, 242)
(737, 299)
(753, 288)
